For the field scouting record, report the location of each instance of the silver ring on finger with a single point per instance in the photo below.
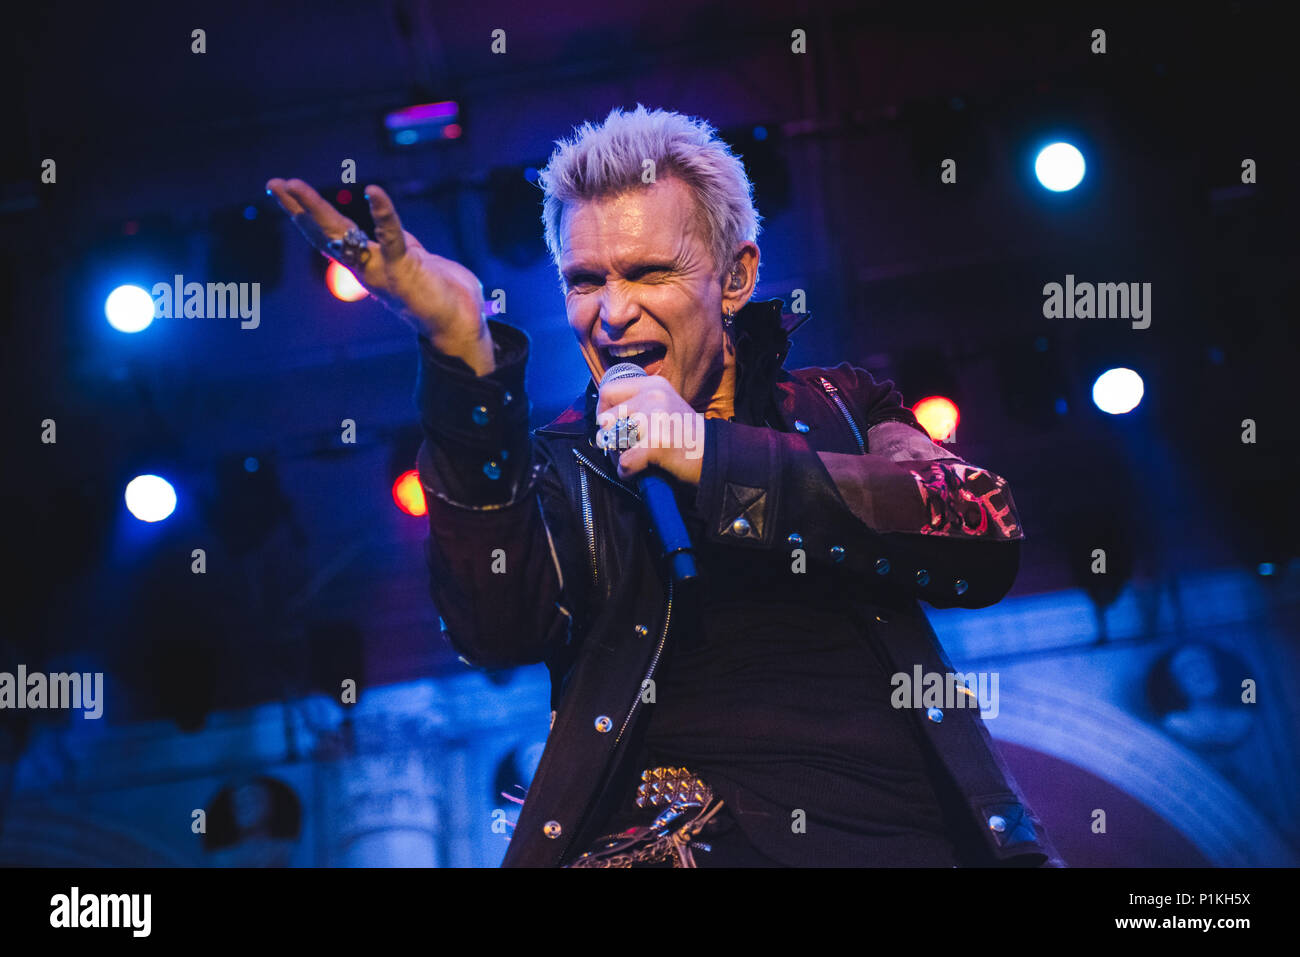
(352, 250)
(623, 434)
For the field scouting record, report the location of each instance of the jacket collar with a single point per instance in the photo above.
(762, 333)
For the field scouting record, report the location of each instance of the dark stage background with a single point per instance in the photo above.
(1119, 692)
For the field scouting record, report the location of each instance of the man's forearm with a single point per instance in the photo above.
(942, 530)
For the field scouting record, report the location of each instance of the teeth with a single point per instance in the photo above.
(626, 352)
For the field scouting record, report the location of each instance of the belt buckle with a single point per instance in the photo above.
(669, 786)
(677, 791)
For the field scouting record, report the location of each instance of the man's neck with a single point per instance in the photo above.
(723, 404)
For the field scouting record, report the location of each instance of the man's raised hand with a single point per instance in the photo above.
(437, 297)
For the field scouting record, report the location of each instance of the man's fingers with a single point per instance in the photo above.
(314, 216)
(620, 390)
(633, 461)
(319, 221)
(278, 189)
(388, 228)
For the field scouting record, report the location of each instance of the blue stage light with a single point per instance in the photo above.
(129, 309)
(150, 498)
(1059, 167)
(1117, 391)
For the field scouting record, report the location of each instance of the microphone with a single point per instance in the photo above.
(657, 494)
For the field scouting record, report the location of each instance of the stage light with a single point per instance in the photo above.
(129, 309)
(927, 371)
(938, 416)
(120, 264)
(343, 284)
(407, 491)
(427, 122)
(409, 494)
(1117, 391)
(150, 498)
(1059, 167)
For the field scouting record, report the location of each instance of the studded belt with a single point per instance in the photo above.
(688, 805)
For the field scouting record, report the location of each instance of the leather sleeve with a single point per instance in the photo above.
(909, 513)
(495, 575)
(477, 426)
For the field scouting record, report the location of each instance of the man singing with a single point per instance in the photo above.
(748, 716)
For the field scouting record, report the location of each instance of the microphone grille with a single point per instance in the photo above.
(624, 370)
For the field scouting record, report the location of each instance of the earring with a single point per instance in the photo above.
(728, 320)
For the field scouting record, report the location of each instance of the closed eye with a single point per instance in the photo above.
(583, 279)
(648, 271)
(643, 272)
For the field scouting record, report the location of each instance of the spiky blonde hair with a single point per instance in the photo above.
(608, 159)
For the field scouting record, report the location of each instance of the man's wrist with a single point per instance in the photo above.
(479, 422)
(478, 352)
(449, 392)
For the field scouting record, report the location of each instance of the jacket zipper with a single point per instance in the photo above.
(588, 519)
(834, 393)
(596, 468)
(590, 525)
(654, 663)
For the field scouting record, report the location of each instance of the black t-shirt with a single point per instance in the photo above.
(777, 697)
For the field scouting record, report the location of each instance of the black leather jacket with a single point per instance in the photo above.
(539, 553)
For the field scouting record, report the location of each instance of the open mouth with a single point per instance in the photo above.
(642, 355)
